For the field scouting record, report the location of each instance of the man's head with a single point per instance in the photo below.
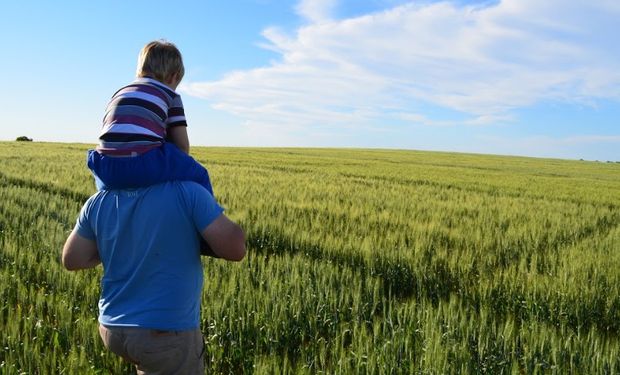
(161, 60)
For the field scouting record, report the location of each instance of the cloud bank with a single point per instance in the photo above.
(426, 63)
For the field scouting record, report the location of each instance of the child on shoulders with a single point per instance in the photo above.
(144, 139)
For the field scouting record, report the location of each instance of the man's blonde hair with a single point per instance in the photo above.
(160, 59)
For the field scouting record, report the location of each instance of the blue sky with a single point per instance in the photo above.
(514, 77)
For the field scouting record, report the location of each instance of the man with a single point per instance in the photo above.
(148, 242)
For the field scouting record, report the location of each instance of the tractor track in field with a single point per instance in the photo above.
(435, 281)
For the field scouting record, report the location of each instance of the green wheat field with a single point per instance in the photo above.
(359, 262)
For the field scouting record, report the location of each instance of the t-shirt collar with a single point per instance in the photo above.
(148, 79)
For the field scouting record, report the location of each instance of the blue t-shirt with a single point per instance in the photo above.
(148, 242)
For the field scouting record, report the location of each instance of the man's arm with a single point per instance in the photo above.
(225, 238)
(79, 253)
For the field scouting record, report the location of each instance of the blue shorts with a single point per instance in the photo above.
(165, 163)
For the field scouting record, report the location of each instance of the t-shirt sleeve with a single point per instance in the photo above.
(205, 208)
(176, 113)
(82, 225)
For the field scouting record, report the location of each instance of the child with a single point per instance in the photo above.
(144, 136)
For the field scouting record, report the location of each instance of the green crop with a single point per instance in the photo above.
(359, 261)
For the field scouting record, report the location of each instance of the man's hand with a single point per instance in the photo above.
(79, 253)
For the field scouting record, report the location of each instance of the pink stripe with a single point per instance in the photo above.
(126, 151)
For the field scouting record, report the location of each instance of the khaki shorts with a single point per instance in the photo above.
(157, 352)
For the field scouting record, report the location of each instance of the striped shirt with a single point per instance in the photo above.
(138, 116)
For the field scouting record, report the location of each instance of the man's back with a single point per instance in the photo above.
(148, 242)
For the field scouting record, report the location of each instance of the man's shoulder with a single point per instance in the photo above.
(180, 197)
(96, 197)
(164, 187)
(166, 190)
(173, 190)
(174, 187)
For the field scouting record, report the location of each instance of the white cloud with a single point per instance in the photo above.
(316, 11)
(480, 62)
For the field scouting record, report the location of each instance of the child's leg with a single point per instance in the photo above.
(98, 183)
(125, 172)
(165, 163)
(93, 161)
(182, 167)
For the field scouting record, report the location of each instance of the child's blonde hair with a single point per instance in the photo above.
(160, 59)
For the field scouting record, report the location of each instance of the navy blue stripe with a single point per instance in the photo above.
(124, 137)
(177, 123)
(140, 103)
(176, 111)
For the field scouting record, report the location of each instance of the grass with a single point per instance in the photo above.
(360, 261)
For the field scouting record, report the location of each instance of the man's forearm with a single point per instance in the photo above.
(206, 250)
(83, 264)
(80, 253)
(92, 262)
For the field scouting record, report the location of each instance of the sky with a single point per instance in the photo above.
(510, 77)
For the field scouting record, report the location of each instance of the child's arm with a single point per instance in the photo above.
(178, 136)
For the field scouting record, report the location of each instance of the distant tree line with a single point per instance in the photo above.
(23, 138)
